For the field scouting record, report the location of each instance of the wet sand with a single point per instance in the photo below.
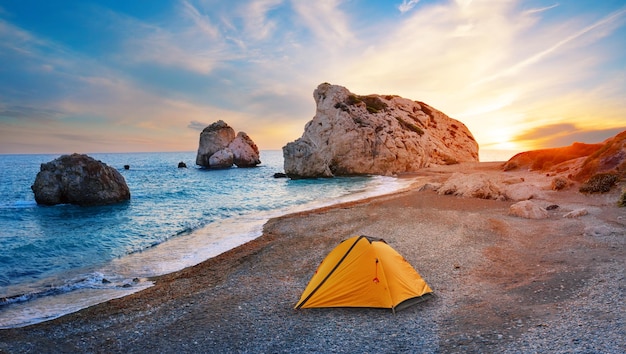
(502, 284)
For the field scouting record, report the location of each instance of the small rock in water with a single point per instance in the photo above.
(182, 165)
(127, 167)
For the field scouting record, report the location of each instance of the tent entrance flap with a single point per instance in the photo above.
(364, 272)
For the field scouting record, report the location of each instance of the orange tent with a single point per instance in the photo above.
(364, 272)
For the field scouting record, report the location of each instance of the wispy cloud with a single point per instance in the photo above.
(539, 9)
(258, 26)
(517, 67)
(325, 20)
(565, 134)
(406, 6)
(201, 21)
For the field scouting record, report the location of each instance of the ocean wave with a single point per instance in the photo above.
(94, 280)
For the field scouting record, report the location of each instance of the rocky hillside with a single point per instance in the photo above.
(357, 135)
(578, 162)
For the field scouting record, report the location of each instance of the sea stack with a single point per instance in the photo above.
(81, 180)
(219, 147)
(374, 134)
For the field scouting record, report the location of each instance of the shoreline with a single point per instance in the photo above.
(502, 284)
(136, 271)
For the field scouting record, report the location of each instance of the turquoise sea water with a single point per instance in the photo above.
(59, 259)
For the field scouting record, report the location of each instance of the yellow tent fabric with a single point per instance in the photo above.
(364, 272)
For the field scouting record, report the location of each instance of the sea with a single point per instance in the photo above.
(56, 260)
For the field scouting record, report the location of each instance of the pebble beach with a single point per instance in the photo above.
(501, 283)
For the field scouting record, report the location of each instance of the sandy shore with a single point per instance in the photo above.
(502, 283)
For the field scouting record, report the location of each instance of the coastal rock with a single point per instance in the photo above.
(610, 159)
(81, 180)
(245, 151)
(472, 186)
(579, 162)
(529, 210)
(374, 134)
(547, 159)
(490, 186)
(221, 159)
(220, 148)
(213, 138)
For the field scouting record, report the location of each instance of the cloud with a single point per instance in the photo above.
(537, 57)
(565, 134)
(258, 26)
(201, 21)
(406, 6)
(325, 20)
(195, 125)
(539, 9)
(31, 113)
(548, 131)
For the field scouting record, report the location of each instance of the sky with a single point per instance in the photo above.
(92, 76)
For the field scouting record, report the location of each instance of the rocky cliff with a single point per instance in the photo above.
(579, 161)
(220, 148)
(356, 135)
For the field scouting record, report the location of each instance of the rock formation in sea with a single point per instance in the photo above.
(357, 135)
(220, 148)
(81, 180)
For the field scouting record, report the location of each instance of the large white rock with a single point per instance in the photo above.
(213, 138)
(385, 135)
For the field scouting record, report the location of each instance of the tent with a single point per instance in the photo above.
(364, 272)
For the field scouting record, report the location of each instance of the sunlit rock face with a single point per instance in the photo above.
(245, 151)
(578, 162)
(374, 134)
(81, 180)
(220, 148)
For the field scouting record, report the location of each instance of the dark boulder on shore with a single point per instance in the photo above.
(81, 180)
